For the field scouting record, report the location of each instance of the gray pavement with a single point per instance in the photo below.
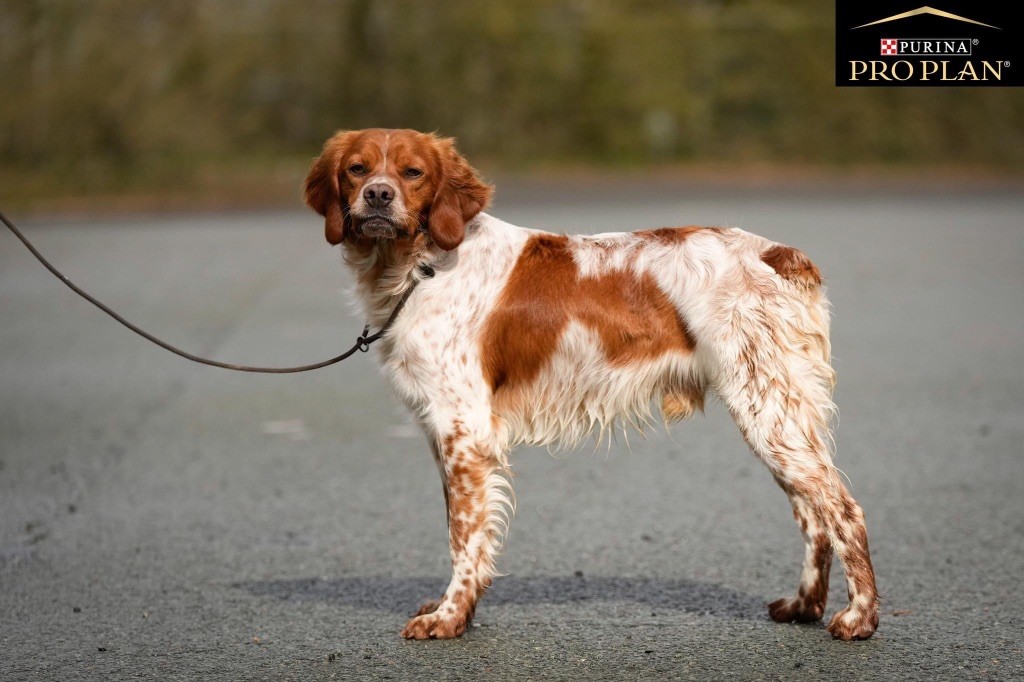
(162, 520)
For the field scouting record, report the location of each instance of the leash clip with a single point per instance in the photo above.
(363, 342)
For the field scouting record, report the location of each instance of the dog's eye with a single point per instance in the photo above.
(357, 169)
(413, 173)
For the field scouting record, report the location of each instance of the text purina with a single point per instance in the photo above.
(935, 47)
(925, 70)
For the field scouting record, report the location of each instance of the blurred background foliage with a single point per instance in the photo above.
(109, 94)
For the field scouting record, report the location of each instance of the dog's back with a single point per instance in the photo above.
(590, 331)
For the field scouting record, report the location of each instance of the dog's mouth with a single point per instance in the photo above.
(378, 227)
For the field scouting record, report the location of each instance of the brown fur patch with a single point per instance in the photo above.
(633, 317)
(681, 402)
(816, 596)
(792, 264)
(428, 606)
(671, 235)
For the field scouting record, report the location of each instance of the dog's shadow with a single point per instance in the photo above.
(403, 595)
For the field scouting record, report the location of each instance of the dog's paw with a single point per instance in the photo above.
(854, 623)
(429, 606)
(795, 610)
(435, 626)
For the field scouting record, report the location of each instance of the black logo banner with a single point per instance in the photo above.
(949, 43)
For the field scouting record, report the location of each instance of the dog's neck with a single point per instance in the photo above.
(384, 270)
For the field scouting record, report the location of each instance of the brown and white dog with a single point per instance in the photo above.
(525, 336)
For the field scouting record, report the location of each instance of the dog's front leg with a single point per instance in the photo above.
(479, 500)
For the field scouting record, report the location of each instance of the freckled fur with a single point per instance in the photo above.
(529, 337)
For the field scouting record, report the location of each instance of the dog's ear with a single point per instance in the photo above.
(460, 196)
(322, 193)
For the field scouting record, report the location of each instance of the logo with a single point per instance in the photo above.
(893, 43)
(925, 10)
(927, 47)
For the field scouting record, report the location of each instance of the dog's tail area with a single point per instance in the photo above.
(793, 265)
(808, 328)
(805, 330)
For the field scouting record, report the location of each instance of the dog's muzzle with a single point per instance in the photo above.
(378, 227)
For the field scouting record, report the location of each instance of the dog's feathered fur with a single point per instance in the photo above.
(530, 337)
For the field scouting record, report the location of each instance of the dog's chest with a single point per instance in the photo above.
(435, 343)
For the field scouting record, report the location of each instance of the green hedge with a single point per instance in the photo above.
(126, 88)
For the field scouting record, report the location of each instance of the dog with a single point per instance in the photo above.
(524, 336)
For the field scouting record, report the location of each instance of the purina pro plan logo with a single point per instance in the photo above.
(903, 43)
(927, 47)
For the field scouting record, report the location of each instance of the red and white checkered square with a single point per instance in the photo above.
(890, 46)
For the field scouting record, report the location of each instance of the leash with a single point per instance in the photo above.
(362, 342)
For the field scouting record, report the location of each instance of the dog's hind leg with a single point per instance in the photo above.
(774, 376)
(808, 606)
(479, 500)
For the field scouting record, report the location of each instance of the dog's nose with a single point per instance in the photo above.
(378, 195)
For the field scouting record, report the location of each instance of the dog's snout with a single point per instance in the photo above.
(378, 195)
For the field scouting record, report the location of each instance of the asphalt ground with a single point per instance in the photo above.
(163, 520)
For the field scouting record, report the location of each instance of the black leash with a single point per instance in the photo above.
(362, 343)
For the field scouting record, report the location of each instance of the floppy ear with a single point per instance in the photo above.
(322, 193)
(460, 197)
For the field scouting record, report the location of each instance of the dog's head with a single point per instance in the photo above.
(386, 184)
